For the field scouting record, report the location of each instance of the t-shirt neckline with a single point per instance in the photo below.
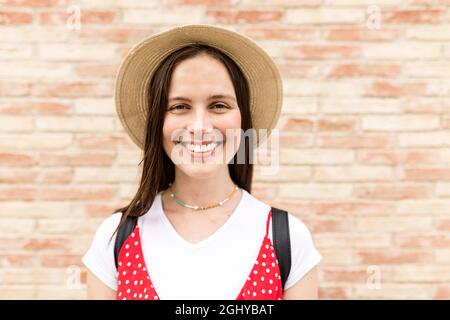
(210, 238)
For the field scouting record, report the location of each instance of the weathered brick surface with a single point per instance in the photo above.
(364, 152)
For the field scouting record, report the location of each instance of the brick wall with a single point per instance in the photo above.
(365, 166)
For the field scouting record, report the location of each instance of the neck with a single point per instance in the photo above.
(202, 191)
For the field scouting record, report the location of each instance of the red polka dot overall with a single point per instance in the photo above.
(134, 282)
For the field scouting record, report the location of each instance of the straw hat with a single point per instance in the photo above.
(136, 70)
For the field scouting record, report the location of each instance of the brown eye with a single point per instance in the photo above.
(222, 106)
(177, 107)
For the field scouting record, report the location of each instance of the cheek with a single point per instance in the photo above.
(168, 128)
(231, 121)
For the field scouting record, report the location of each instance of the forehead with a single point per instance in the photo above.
(203, 75)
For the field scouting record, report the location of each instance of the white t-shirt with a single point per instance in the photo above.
(215, 268)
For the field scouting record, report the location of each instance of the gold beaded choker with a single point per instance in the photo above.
(182, 203)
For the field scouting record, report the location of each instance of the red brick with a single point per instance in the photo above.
(86, 17)
(14, 88)
(115, 34)
(337, 124)
(328, 225)
(387, 89)
(89, 159)
(64, 176)
(430, 2)
(322, 52)
(15, 159)
(443, 225)
(393, 191)
(361, 34)
(34, 3)
(72, 89)
(393, 257)
(281, 33)
(50, 108)
(100, 210)
(14, 108)
(427, 174)
(244, 16)
(364, 70)
(16, 193)
(412, 16)
(97, 71)
(36, 244)
(18, 176)
(442, 291)
(298, 124)
(396, 157)
(432, 106)
(352, 208)
(15, 18)
(202, 2)
(338, 293)
(77, 193)
(294, 68)
(422, 241)
(354, 141)
(294, 141)
(94, 142)
(17, 260)
(358, 275)
(60, 260)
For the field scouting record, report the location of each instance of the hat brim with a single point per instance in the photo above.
(136, 71)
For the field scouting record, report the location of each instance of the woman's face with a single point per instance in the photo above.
(202, 111)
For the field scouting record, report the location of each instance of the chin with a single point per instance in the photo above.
(203, 170)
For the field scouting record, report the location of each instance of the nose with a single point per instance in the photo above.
(200, 124)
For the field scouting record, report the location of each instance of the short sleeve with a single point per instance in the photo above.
(304, 255)
(99, 258)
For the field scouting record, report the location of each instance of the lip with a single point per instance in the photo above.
(198, 142)
(201, 154)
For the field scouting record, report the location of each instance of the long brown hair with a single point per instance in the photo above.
(159, 170)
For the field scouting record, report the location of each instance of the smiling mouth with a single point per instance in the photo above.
(200, 148)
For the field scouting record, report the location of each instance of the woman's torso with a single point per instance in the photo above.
(216, 258)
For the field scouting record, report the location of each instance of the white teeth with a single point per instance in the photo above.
(200, 148)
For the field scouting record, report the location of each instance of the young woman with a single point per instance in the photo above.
(200, 233)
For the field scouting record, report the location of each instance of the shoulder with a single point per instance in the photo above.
(107, 227)
(302, 239)
(303, 251)
(99, 258)
(299, 232)
(252, 204)
(298, 229)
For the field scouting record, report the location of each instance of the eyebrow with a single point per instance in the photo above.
(214, 96)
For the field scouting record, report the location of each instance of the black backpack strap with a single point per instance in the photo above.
(122, 234)
(282, 242)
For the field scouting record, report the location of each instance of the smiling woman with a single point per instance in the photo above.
(185, 96)
(201, 122)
